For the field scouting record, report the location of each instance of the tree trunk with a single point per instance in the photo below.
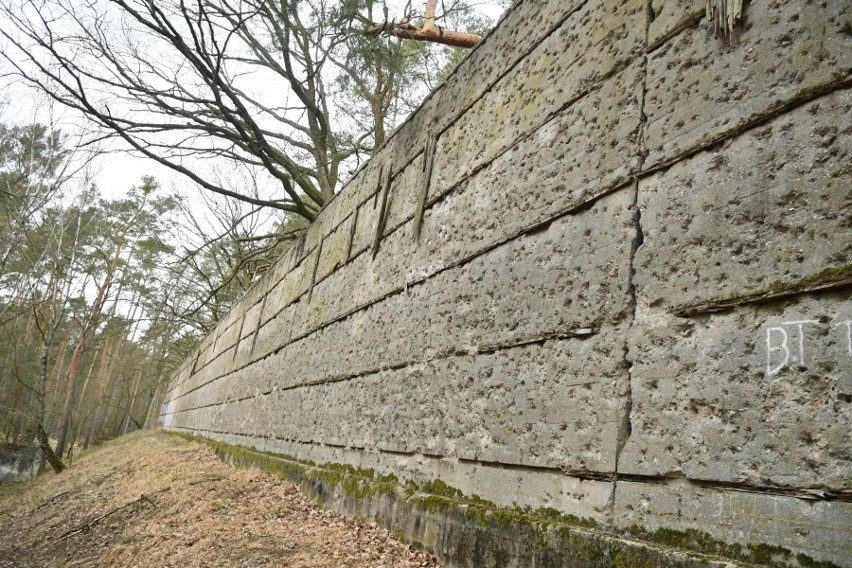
(152, 405)
(131, 403)
(83, 340)
(54, 460)
(57, 366)
(99, 382)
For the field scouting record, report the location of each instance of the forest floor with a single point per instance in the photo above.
(152, 499)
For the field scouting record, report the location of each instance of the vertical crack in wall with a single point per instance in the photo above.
(625, 427)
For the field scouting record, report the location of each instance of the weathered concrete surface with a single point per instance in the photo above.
(746, 396)
(564, 398)
(766, 213)
(629, 301)
(701, 91)
(819, 530)
(19, 464)
(597, 40)
(671, 17)
(478, 305)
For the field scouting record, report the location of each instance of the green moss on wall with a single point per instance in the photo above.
(754, 553)
(544, 529)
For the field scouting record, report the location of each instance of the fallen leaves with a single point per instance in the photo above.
(207, 514)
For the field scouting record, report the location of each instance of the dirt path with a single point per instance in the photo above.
(150, 499)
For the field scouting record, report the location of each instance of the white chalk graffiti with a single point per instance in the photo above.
(848, 324)
(779, 352)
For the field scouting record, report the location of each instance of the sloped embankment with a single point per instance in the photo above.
(150, 499)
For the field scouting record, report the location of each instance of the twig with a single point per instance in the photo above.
(205, 480)
(96, 520)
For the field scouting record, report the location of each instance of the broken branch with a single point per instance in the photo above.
(88, 525)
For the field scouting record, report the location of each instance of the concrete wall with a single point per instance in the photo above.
(630, 300)
(19, 464)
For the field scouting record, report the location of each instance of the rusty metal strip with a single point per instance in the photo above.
(383, 209)
(314, 272)
(428, 160)
(352, 234)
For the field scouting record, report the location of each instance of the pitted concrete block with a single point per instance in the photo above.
(766, 214)
(193, 400)
(759, 395)
(243, 355)
(251, 320)
(356, 191)
(586, 150)
(567, 277)
(700, 90)
(335, 248)
(248, 417)
(200, 367)
(322, 225)
(597, 40)
(227, 338)
(205, 350)
(524, 25)
(672, 16)
(556, 405)
(366, 279)
(220, 364)
(275, 333)
(280, 269)
(365, 227)
(199, 378)
(818, 529)
(290, 288)
(406, 187)
(295, 255)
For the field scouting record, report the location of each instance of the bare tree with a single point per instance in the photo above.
(184, 82)
(187, 82)
(221, 256)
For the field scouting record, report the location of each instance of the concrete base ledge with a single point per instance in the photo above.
(467, 531)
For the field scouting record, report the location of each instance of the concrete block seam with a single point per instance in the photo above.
(759, 119)
(579, 333)
(508, 238)
(687, 23)
(440, 196)
(805, 494)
